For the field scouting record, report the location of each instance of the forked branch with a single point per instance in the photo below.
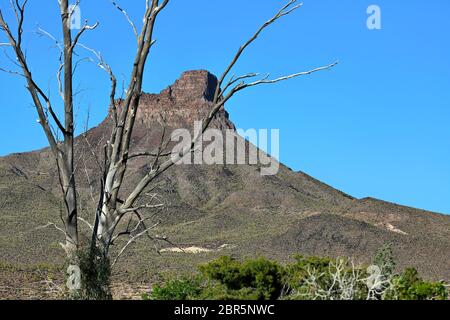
(220, 98)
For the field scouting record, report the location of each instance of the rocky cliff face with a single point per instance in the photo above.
(189, 99)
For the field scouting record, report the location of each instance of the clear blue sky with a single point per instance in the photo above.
(376, 125)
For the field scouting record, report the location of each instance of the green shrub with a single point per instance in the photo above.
(384, 259)
(264, 275)
(253, 279)
(226, 270)
(95, 275)
(256, 279)
(177, 289)
(409, 286)
(306, 278)
(298, 271)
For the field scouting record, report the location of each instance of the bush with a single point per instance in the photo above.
(306, 278)
(254, 279)
(384, 259)
(297, 272)
(409, 286)
(226, 270)
(95, 275)
(177, 289)
(225, 279)
(314, 278)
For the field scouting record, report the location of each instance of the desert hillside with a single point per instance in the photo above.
(213, 210)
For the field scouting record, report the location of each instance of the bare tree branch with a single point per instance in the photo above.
(12, 72)
(80, 33)
(132, 240)
(265, 80)
(43, 32)
(106, 67)
(148, 154)
(233, 80)
(118, 151)
(285, 10)
(86, 222)
(219, 101)
(127, 17)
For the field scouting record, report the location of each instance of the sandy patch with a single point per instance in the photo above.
(196, 250)
(392, 228)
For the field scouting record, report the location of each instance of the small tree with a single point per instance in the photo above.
(384, 259)
(410, 286)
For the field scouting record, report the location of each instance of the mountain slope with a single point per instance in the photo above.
(218, 209)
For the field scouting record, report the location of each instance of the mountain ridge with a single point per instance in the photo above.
(217, 205)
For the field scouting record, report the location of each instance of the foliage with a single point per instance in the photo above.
(176, 289)
(409, 286)
(95, 275)
(225, 279)
(384, 259)
(307, 278)
(252, 279)
(314, 278)
(298, 270)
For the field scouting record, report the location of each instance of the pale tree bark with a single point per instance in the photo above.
(342, 280)
(119, 144)
(63, 151)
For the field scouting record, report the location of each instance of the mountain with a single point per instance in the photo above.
(212, 210)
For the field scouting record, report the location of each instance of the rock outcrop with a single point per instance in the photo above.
(187, 100)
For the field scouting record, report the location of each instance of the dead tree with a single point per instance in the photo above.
(112, 210)
(343, 280)
(63, 151)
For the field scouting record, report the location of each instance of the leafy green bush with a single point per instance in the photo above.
(254, 279)
(384, 259)
(306, 278)
(226, 270)
(225, 279)
(177, 289)
(409, 286)
(298, 271)
(95, 275)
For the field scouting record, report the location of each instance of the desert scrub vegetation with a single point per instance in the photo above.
(96, 275)
(307, 278)
(31, 281)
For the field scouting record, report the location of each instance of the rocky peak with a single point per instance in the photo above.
(187, 100)
(193, 85)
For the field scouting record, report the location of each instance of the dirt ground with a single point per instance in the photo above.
(45, 285)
